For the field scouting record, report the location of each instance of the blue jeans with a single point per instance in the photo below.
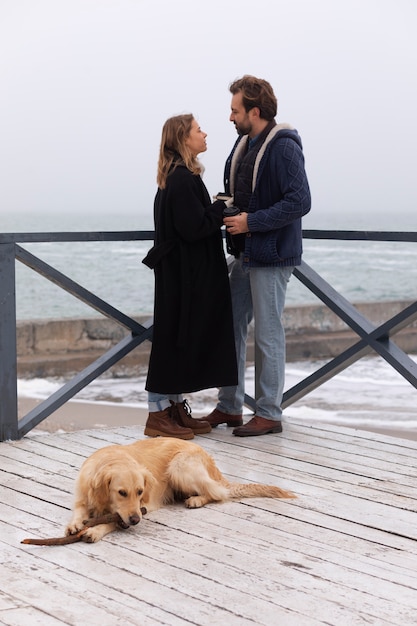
(258, 292)
(160, 401)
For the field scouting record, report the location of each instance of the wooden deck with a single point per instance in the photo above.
(344, 552)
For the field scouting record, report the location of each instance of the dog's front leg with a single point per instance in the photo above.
(79, 515)
(95, 533)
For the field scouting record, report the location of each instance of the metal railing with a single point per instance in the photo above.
(371, 337)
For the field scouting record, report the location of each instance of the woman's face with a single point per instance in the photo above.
(196, 140)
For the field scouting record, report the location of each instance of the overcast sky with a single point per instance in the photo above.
(86, 86)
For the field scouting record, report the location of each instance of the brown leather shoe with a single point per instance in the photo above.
(217, 417)
(163, 424)
(258, 426)
(182, 415)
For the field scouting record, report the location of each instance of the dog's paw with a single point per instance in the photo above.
(92, 535)
(74, 527)
(195, 502)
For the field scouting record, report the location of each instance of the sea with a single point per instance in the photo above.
(369, 394)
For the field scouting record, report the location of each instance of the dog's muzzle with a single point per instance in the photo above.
(133, 519)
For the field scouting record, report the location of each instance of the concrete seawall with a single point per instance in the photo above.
(64, 347)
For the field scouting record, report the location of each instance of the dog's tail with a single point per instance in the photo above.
(256, 490)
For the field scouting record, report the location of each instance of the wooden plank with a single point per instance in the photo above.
(157, 584)
(338, 554)
(346, 461)
(37, 452)
(70, 597)
(183, 570)
(359, 437)
(217, 524)
(217, 564)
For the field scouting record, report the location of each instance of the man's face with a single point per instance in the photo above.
(240, 118)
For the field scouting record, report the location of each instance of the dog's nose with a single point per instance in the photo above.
(134, 519)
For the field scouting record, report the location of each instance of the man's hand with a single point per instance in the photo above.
(237, 224)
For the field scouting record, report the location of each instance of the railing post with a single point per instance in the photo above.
(8, 350)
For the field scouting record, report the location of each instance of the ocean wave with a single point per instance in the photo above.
(368, 393)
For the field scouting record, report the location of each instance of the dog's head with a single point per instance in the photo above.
(119, 487)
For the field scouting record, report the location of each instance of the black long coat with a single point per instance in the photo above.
(193, 341)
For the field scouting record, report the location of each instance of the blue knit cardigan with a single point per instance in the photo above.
(280, 198)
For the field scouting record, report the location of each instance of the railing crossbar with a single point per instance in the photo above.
(371, 337)
(76, 290)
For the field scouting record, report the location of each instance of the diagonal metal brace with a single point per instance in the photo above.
(373, 337)
(66, 283)
(81, 380)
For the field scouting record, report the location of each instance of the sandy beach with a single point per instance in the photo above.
(81, 415)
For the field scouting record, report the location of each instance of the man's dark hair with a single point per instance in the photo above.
(256, 92)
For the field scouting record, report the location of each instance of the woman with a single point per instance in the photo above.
(193, 342)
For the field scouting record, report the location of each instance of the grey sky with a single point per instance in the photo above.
(87, 84)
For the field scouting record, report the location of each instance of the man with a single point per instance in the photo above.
(265, 175)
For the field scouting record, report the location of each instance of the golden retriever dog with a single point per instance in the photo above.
(145, 475)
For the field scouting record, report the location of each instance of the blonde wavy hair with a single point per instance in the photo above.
(173, 150)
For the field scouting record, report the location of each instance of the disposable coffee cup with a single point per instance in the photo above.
(231, 211)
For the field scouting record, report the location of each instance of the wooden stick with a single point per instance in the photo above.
(110, 518)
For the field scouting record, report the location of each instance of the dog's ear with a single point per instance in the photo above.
(149, 480)
(102, 479)
(99, 489)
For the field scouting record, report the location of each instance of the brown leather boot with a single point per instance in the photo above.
(183, 417)
(258, 426)
(163, 424)
(217, 417)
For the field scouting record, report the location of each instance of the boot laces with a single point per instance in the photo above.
(187, 408)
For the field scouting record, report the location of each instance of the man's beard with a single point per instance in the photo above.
(243, 129)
